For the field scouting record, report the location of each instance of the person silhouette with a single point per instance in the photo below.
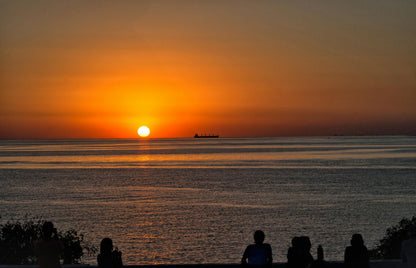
(258, 254)
(319, 263)
(49, 248)
(298, 255)
(356, 255)
(409, 248)
(109, 258)
(292, 253)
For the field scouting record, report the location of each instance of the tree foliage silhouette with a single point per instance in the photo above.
(17, 243)
(390, 246)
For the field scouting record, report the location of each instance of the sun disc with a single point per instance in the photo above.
(143, 131)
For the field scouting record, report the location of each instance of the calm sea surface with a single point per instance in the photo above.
(171, 201)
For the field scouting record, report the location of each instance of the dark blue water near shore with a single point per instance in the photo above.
(199, 201)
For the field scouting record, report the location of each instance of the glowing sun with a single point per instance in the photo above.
(143, 131)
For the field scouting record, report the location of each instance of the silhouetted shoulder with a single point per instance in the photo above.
(112, 260)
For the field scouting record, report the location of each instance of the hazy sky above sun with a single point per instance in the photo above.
(102, 69)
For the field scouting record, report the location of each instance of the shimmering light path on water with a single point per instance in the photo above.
(325, 152)
(192, 201)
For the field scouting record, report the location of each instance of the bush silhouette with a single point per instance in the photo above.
(390, 246)
(17, 240)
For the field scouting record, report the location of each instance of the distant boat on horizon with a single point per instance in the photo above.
(205, 136)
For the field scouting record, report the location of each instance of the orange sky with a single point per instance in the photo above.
(101, 69)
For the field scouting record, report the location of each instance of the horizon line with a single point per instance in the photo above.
(221, 137)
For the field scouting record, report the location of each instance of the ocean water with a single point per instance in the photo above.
(172, 201)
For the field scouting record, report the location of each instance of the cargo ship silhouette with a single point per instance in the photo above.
(205, 136)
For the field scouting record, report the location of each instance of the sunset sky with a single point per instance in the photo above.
(101, 69)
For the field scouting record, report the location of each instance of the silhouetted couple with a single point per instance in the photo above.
(298, 255)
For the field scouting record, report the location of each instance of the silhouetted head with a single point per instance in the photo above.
(305, 243)
(106, 245)
(295, 241)
(48, 229)
(258, 237)
(357, 240)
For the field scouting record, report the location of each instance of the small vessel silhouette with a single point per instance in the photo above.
(205, 136)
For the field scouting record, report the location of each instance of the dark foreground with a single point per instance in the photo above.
(332, 264)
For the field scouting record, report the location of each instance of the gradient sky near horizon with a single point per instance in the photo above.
(101, 69)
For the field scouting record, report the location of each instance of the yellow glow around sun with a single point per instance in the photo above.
(143, 131)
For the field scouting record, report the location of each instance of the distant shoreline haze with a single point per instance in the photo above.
(220, 136)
